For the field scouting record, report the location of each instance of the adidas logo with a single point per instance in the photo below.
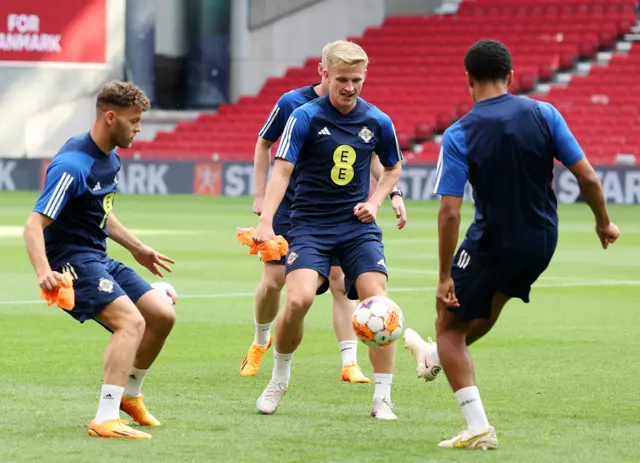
(108, 396)
(381, 262)
(324, 131)
(97, 187)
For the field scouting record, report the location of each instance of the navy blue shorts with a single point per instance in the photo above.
(99, 280)
(357, 248)
(282, 226)
(478, 278)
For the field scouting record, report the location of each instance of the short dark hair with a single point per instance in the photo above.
(122, 95)
(488, 60)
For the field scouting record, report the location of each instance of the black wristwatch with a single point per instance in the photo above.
(396, 193)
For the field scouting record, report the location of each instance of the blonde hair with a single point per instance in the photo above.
(343, 52)
(122, 95)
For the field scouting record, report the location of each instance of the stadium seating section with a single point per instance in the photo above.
(416, 75)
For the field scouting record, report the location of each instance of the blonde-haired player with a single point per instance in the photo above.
(267, 296)
(331, 141)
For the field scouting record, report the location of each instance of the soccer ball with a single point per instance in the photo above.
(167, 291)
(378, 321)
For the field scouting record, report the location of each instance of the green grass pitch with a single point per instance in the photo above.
(559, 377)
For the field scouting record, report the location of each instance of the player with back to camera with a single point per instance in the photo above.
(505, 147)
(67, 231)
(267, 298)
(328, 145)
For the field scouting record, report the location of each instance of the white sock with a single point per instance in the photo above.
(281, 366)
(261, 338)
(472, 409)
(109, 406)
(383, 385)
(348, 352)
(434, 354)
(133, 388)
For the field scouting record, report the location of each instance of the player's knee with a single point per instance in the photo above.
(272, 285)
(371, 284)
(298, 303)
(166, 318)
(273, 280)
(133, 325)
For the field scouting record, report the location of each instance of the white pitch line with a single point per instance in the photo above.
(567, 284)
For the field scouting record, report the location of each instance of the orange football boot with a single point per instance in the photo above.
(353, 374)
(251, 363)
(117, 428)
(134, 407)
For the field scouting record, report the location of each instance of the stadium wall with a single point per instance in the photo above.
(267, 51)
(621, 184)
(46, 94)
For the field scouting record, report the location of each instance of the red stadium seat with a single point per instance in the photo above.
(422, 56)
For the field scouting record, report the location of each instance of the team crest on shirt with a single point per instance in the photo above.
(104, 285)
(292, 257)
(365, 134)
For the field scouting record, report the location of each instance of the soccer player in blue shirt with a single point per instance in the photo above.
(327, 146)
(267, 300)
(505, 147)
(67, 232)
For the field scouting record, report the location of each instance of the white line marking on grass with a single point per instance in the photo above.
(414, 289)
(10, 231)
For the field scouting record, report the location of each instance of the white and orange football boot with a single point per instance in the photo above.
(117, 429)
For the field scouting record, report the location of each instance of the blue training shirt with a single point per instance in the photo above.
(505, 147)
(78, 195)
(274, 126)
(332, 157)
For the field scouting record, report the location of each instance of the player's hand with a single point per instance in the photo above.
(365, 212)
(51, 280)
(608, 234)
(257, 205)
(446, 293)
(397, 203)
(149, 258)
(263, 233)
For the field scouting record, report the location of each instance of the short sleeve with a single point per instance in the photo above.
(294, 135)
(568, 149)
(275, 123)
(63, 182)
(452, 171)
(388, 148)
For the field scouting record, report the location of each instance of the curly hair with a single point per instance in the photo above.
(122, 95)
(488, 60)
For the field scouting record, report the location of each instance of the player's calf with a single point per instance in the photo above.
(160, 318)
(267, 305)
(268, 292)
(302, 285)
(127, 324)
(343, 309)
(382, 359)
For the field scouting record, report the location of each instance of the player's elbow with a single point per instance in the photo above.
(282, 169)
(585, 173)
(588, 179)
(263, 146)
